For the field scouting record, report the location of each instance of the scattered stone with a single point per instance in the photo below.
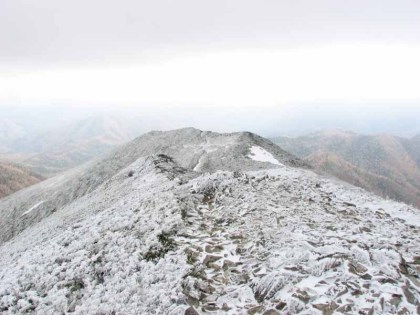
(225, 307)
(210, 259)
(416, 260)
(403, 311)
(365, 229)
(326, 308)
(366, 276)
(213, 249)
(281, 306)
(228, 264)
(221, 279)
(214, 266)
(302, 295)
(210, 307)
(191, 311)
(396, 300)
(409, 295)
(345, 309)
(349, 204)
(206, 288)
(255, 310)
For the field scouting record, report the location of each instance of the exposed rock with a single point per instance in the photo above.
(345, 309)
(302, 295)
(326, 308)
(281, 306)
(211, 259)
(191, 311)
(409, 295)
(255, 310)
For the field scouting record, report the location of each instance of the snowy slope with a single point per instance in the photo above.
(191, 148)
(159, 236)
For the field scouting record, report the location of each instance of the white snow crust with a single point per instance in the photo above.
(259, 154)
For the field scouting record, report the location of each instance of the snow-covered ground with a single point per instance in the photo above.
(158, 237)
(202, 151)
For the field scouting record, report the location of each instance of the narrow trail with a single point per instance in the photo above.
(216, 260)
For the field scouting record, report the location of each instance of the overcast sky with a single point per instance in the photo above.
(232, 53)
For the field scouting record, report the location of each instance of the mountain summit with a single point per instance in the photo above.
(193, 222)
(190, 148)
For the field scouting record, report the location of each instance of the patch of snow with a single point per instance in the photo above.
(259, 154)
(32, 208)
(200, 164)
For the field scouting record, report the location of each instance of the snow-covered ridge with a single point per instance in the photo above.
(202, 151)
(157, 237)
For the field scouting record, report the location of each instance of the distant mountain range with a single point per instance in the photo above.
(74, 144)
(61, 148)
(45, 152)
(384, 164)
(14, 177)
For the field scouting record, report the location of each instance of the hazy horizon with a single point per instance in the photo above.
(269, 122)
(270, 67)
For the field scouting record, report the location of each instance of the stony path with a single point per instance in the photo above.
(216, 260)
(251, 252)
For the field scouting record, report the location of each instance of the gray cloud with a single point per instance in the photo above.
(51, 34)
(50, 31)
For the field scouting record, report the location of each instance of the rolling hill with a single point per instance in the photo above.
(53, 151)
(14, 177)
(384, 164)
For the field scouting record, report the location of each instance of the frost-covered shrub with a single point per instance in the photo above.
(75, 285)
(166, 244)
